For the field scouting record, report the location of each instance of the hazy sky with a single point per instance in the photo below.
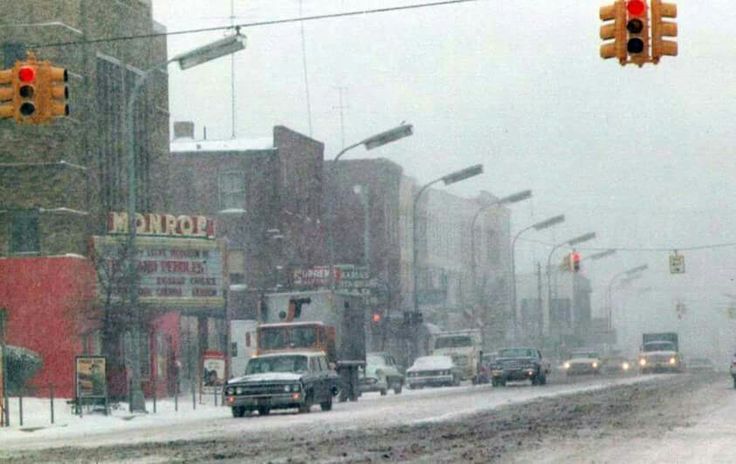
(642, 156)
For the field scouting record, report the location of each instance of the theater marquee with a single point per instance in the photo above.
(172, 272)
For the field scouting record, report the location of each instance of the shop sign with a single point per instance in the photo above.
(167, 225)
(171, 271)
(91, 377)
(213, 371)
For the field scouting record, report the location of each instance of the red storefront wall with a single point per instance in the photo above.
(48, 301)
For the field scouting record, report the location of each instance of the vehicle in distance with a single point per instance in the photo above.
(615, 365)
(516, 364)
(463, 346)
(282, 381)
(660, 353)
(433, 371)
(583, 362)
(381, 373)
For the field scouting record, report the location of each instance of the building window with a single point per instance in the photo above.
(145, 356)
(232, 189)
(24, 234)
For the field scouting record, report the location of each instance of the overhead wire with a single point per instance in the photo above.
(255, 24)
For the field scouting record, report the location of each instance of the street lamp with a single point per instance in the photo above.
(571, 242)
(448, 179)
(374, 141)
(553, 221)
(514, 198)
(187, 60)
(633, 272)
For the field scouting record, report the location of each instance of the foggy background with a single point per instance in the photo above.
(641, 156)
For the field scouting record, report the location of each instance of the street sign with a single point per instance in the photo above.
(677, 264)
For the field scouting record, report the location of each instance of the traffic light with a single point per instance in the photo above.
(26, 92)
(7, 90)
(614, 27)
(376, 317)
(55, 99)
(661, 47)
(575, 261)
(637, 26)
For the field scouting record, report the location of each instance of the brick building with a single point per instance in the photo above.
(59, 181)
(267, 197)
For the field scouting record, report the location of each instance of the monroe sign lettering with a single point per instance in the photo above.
(171, 271)
(163, 225)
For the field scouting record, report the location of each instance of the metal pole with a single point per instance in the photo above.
(51, 397)
(366, 229)
(20, 408)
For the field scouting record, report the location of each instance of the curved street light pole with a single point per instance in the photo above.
(571, 242)
(374, 141)
(514, 198)
(214, 50)
(538, 226)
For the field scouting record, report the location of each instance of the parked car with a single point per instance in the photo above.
(513, 364)
(583, 362)
(282, 381)
(616, 365)
(433, 371)
(381, 373)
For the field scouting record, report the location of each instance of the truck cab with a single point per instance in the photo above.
(660, 353)
(464, 347)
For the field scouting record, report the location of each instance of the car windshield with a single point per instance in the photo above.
(453, 342)
(375, 360)
(517, 353)
(268, 364)
(584, 354)
(659, 346)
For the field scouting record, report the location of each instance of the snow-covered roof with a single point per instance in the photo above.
(187, 145)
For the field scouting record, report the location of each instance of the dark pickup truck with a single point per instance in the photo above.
(517, 364)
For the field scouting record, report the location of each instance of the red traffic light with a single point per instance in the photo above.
(636, 7)
(27, 74)
(376, 318)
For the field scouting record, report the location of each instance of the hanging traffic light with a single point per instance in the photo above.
(376, 318)
(637, 26)
(575, 261)
(660, 28)
(7, 90)
(614, 27)
(56, 97)
(26, 104)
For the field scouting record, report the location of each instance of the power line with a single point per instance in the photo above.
(256, 24)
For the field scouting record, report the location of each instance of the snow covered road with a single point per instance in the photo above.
(409, 408)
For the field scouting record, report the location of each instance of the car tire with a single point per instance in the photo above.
(264, 410)
(734, 382)
(397, 388)
(238, 411)
(384, 392)
(326, 405)
(307, 406)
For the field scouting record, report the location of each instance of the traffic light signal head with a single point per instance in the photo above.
(614, 27)
(26, 82)
(376, 318)
(660, 29)
(637, 28)
(56, 79)
(575, 261)
(7, 91)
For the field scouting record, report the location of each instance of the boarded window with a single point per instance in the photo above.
(24, 234)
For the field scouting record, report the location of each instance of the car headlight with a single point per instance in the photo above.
(287, 388)
(625, 366)
(566, 365)
(673, 361)
(229, 391)
(642, 362)
(595, 365)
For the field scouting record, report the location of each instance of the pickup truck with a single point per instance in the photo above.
(281, 381)
(515, 364)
